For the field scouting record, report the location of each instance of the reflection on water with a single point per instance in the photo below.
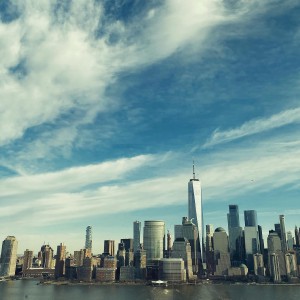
(30, 290)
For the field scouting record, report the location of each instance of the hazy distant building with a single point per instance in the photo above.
(88, 238)
(289, 240)
(60, 261)
(27, 260)
(297, 236)
(8, 258)
(136, 236)
(154, 239)
(195, 213)
(46, 256)
(109, 247)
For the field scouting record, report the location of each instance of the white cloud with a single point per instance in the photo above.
(283, 118)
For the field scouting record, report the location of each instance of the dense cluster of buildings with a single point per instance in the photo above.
(240, 254)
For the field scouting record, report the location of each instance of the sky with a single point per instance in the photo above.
(104, 106)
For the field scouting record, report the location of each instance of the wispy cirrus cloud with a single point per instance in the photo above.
(290, 116)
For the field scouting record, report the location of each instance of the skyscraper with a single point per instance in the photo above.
(109, 247)
(235, 234)
(154, 239)
(60, 261)
(88, 238)
(136, 236)
(195, 213)
(283, 234)
(46, 255)
(8, 256)
(250, 218)
(297, 236)
(27, 260)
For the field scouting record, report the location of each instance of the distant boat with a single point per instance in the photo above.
(159, 283)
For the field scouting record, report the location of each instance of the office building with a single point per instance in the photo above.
(60, 261)
(195, 213)
(261, 239)
(182, 249)
(235, 235)
(297, 237)
(283, 234)
(154, 239)
(250, 218)
(128, 244)
(178, 232)
(259, 267)
(27, 260)
(190, 232)
(88, 238)
(8, 257)
(289, 240)
(136, 236)
(221, 252)
(46, 256)
(274, 268)
(109, 247)
(172, 270)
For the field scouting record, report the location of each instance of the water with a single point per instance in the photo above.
(29, 290)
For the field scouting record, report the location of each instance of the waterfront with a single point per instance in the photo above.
(31, 290)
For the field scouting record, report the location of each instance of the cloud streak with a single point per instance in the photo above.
(290, 116)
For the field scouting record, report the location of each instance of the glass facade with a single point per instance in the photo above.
(154, 239)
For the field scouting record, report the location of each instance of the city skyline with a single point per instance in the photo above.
(104, 106)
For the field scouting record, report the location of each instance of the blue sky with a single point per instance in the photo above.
(105, 104)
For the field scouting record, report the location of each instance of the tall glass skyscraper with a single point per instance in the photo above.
(154, 239)
(235, 234)
(195, 213)
(250, 218)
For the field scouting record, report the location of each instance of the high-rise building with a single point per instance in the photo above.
(46, 255)
(128, 244)
(221, 252)
(297, 236)
(88, 238)
(182, 249)
(154, 239)
(60, 261)
(250, 218)
(289, 240)
(27, 260)
(274, 267)
(136, 236)
(190, 232)
(8, 256)
(209, 237)
(258, 262)
(109, 247)
(283, 234)
(235, 234)
(261, 239)
(195, 213)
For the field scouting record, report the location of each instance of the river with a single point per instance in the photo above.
(31, 290)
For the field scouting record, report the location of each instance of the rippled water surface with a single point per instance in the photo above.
(30, 290)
